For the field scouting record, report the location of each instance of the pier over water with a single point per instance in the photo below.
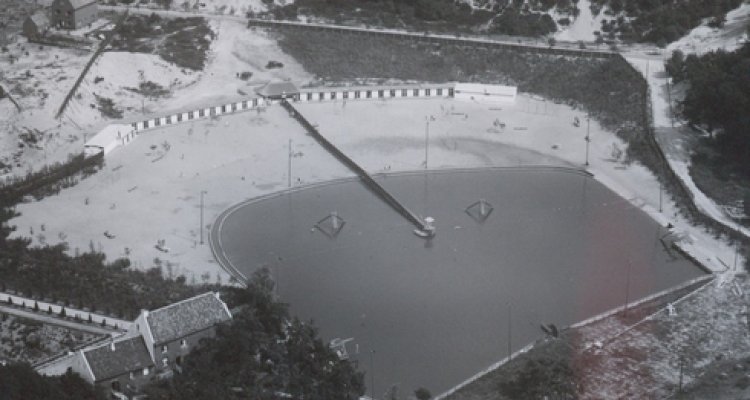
(371, 184)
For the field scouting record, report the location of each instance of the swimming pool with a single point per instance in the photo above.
(558, 247)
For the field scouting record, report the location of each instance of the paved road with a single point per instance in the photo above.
(49, 319)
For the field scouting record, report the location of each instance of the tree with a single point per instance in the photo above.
(675, 66)
(261, 353)
(422, 394)
(21, 382)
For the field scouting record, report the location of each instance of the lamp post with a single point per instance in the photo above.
(588, 138)
(627, 288)
(426, 140)
(289, 173)
(372, 374)
(201, 228)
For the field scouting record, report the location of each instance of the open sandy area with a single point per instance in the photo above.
(150, 189)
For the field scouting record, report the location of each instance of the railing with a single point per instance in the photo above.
(431, 38)
(54, 310)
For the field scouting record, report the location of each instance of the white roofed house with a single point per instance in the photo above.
(173, 331)
(109, 138)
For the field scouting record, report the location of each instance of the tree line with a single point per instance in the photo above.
(718, 99)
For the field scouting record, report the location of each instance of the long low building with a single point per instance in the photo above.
(485, 93)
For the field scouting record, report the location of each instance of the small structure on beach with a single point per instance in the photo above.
(278, 91)
(109, 138)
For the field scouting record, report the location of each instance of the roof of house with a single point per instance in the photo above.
(186, 317)
(128, 355)
(76, 4)
(40, 19)
(272, 89)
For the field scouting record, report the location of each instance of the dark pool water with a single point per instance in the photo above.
(559, 247)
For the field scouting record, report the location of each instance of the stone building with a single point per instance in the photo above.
(154, 347)
(73, 14)
(35, 26)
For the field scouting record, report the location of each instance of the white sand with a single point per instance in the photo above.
(140, 200)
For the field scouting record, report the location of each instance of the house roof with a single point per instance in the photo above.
(80, 3)
(40, 19)
(128, 355)
(272, 89)
(186, 317)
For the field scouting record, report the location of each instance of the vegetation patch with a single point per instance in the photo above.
(591, 361)
(603, 87)
(262, 354)
(107, 107)
(182, 41)
(23, 340)
(530, 18)
(717, 100)
(150, 89)
(660, 22)
(21, 382)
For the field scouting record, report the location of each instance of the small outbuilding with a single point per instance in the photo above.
(36, 25)
(278, 91)
(73, 14)
(109, 138)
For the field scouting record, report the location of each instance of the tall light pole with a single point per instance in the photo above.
(201, 228)
(627, 288)
(426, 140)
(588, 138)
(289, 174)
(510, 331)
(372, 374)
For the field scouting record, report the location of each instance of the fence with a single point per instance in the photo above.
(207, 112)
(376, 92)
(478, 43)
(56, 309)
(102, 47)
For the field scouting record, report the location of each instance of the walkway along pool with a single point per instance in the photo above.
(558, 247)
